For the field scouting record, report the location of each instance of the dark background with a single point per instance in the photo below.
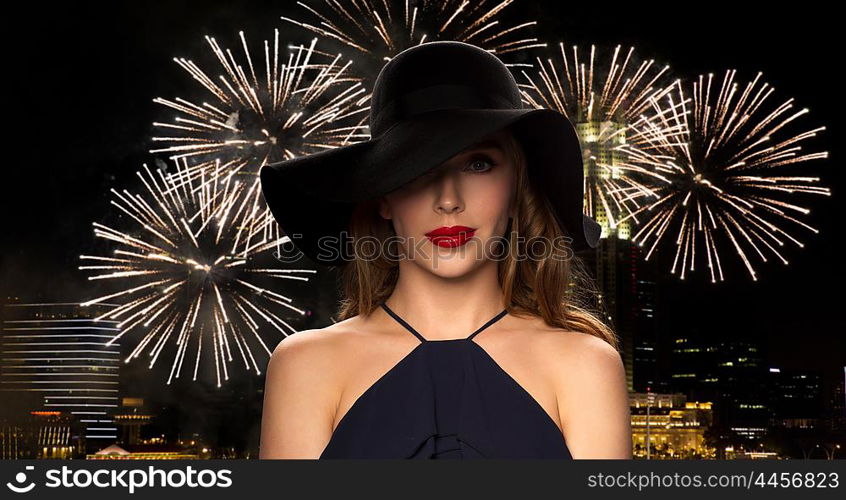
(79, 114)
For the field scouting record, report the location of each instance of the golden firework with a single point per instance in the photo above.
(301, 104)
(379, 30)
(735, 176)
(608, 99)
(193, 268)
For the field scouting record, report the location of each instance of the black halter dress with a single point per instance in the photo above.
(446, 399)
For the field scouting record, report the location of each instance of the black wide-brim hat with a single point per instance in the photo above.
(429, 103)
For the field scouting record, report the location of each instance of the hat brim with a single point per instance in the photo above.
(329, 184)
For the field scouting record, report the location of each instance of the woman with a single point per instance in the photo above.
(459, 334)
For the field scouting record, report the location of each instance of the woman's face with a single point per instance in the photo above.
(473, 189)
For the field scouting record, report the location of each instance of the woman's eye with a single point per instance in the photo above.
(479, 165)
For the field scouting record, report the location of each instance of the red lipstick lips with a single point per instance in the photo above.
(451, 236)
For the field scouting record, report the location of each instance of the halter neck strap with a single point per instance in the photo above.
(424, 339)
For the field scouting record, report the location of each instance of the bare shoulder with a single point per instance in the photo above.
(301, 392)
(311, 350)
(581, 352)
(569, 350)
(305, 343)
(592, 393)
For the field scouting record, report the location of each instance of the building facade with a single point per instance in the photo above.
(58, 369)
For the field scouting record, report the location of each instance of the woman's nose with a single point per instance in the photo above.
(448, 192)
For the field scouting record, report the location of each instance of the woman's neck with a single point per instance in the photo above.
(446, 308)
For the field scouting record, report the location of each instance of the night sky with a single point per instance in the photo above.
(80, 110)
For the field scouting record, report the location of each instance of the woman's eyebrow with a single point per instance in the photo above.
(488, 144)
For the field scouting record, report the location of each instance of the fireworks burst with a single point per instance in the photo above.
(299, 106)
(606, 103)
(192, 270)
(379, 30)
(732, 175)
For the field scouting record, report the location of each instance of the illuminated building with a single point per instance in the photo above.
(795, 397)
(40, 435)
(732, 374)
(55, 358)
(130, 418)
(835, 405)
(625, 280)
(675, 426)
(142, 452)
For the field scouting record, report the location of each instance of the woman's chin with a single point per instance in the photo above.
(451, 271)
(452, 265)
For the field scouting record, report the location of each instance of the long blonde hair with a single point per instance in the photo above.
(558, 290)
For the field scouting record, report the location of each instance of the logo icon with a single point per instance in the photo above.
(20, 477)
